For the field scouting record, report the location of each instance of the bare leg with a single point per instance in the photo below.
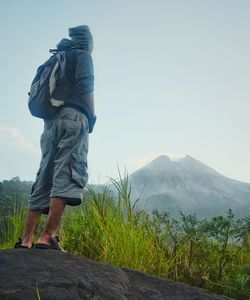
(32, 220)
(57, 206)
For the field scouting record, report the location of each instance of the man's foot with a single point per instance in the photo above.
(21, 244)
(53, 245)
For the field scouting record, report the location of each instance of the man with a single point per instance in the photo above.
(62, 174)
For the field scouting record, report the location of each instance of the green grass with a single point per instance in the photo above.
(213, 254)
(38, 293)
(104, 234)
(12, 226)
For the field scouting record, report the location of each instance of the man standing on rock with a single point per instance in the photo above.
(62, 174)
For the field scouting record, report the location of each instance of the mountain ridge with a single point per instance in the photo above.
(188, 185)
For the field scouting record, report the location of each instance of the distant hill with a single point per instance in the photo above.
(189, 186)
(13, 191)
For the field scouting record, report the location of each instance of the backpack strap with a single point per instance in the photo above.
(58, 72)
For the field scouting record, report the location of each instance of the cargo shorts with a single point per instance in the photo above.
(63, 167)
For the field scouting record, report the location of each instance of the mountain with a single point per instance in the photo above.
(189, 186)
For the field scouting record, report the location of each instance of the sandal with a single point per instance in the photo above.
(54, 244)
(19, 244)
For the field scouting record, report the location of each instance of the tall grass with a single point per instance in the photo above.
(11, 226)
(213, 254)
(113, 232)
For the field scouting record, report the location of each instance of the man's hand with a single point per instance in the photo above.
(88, 99)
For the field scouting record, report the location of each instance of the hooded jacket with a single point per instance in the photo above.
(78, 84)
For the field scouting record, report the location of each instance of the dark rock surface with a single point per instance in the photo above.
(60, 276)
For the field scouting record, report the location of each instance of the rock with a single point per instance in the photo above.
(55, 275)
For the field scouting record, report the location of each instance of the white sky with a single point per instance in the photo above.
(171, 77)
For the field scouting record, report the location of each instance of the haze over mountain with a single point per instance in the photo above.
(189, 186)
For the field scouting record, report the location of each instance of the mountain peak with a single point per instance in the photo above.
(173, 164)
(169, 157)
(161, 158)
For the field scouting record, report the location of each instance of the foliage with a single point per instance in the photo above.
(13, 195)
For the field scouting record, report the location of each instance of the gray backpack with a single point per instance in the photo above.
(41, 102)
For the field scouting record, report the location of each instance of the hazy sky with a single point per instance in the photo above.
(171, 77)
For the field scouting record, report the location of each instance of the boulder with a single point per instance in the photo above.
(55, 275)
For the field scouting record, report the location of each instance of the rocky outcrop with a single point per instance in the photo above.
(54, 275)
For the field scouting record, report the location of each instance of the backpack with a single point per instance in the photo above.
(41, 102)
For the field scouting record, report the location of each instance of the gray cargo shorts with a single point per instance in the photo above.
(63, 167)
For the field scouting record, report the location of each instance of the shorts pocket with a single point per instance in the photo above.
(79, 169)
(45, 142)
